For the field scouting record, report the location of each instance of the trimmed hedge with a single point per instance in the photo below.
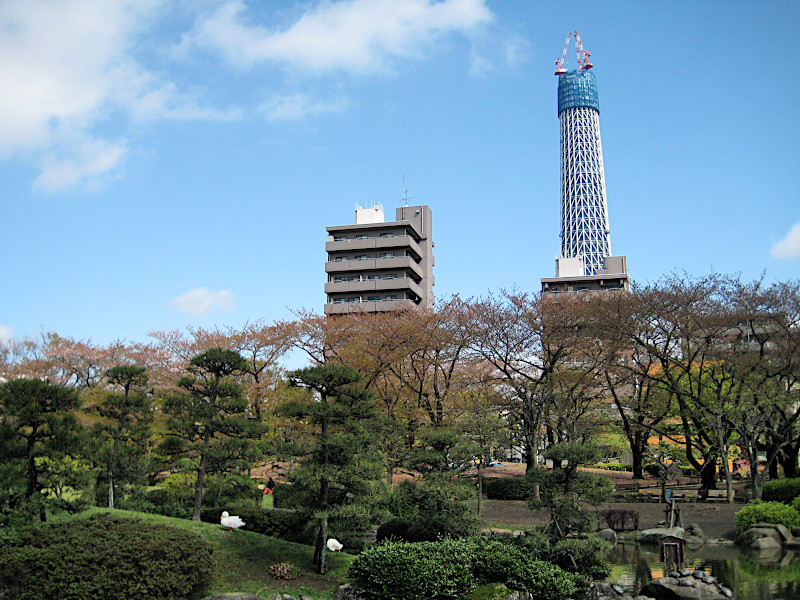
(766, 512)
(282, 524)
(450, 569)
(611, 466)
(508, 488)
(781, 490)
(406, 530)
(103, 557)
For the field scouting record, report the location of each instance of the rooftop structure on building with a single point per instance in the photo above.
(585, 261)
(377, 265)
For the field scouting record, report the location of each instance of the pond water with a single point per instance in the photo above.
(751, 575)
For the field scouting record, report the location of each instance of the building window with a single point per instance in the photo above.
(338, 300)
(340, 279)
(387, 235)
(340, 238)
(386, 255)
(390, 276)
(354, 278)
(361, 257)
(373, 277)
(361, 236)
(339, 258)
(390, 297)
(373, 298)
(354, 299)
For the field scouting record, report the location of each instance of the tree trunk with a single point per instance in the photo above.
(480, 486)
(321, 551)
(529, 458)
(201, 477)
(637, 454)
(111, 461)
(788, 460)
(708, 475)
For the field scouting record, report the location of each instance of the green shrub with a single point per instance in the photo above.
(545, 581)
(584, 557)
(781, 490)
(451, 569)
(611, 466)
(796, 504)
(173, 502)
(103, 558)
(405, 530)
(766, 512)
(508, 488)
(404, 571)
(443, 509)
(282, 524)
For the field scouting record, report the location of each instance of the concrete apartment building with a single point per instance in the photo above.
(379, 266)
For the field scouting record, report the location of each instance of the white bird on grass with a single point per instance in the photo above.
(334, 545)
(230, 522)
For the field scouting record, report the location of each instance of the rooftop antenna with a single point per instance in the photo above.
(404, 198)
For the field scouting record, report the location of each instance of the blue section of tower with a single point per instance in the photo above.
(577, 88)
(584, 214)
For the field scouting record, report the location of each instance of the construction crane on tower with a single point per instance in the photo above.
(582, 55)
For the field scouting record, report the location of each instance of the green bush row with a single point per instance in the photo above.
(611, 466)
(758, 511)
(781, 490)
(103, 558)
(282, 524)
(449, 569)
(508, 488)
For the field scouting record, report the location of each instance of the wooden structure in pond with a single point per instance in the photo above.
(670, 550)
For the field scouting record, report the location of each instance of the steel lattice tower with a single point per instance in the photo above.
(584, 209)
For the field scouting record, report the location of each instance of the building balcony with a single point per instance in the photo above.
(373, 285)
(376, 243)
(374, 264)
(367, 307)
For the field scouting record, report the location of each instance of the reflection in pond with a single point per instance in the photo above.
(752, 575)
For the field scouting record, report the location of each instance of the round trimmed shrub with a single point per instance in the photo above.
(450, 569)
(766, 512)
(508, 488)
(781, 490)
(103, 557)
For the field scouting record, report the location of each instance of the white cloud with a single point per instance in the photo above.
(80, 162)
(201, 301)
(351, 35)
(6, 333)
(67, 69)
(298, 106)
(788, 247)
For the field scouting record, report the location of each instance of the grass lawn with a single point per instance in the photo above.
(243, 559)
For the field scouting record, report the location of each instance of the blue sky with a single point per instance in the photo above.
(167, 163)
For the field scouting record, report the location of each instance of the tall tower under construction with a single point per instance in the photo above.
(585, 260)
